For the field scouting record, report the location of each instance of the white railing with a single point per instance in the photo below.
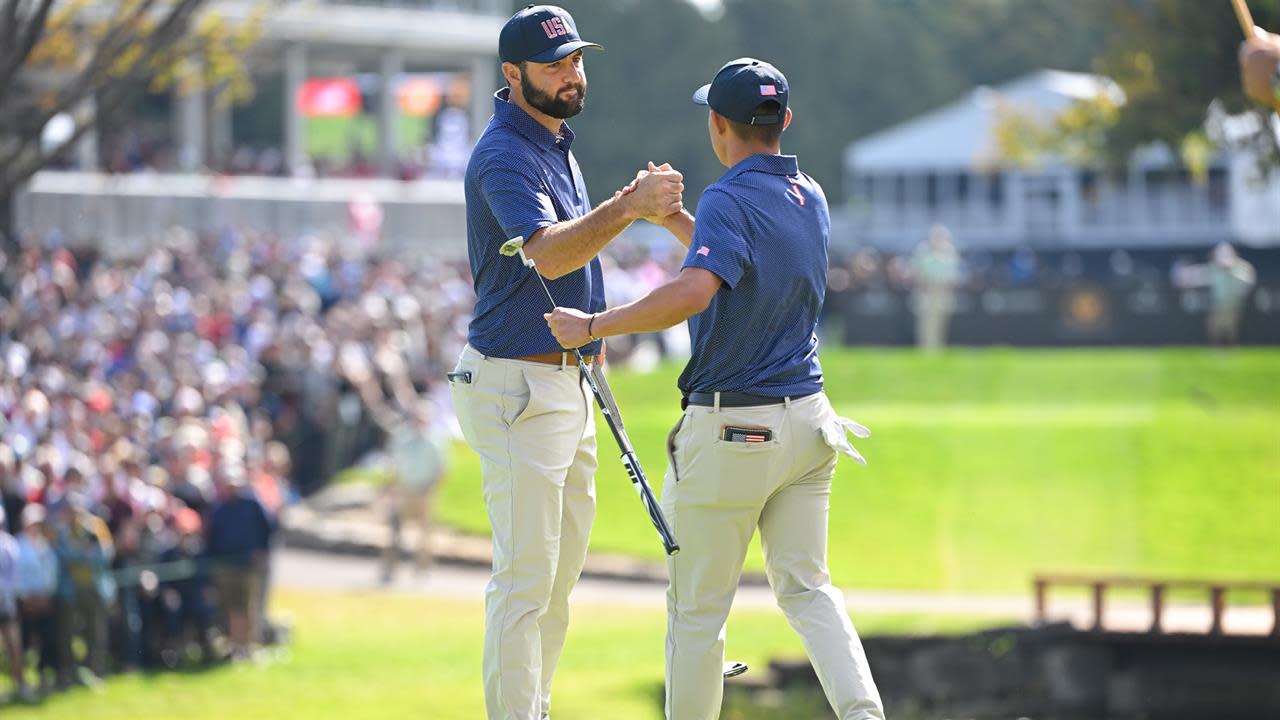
(124, 213)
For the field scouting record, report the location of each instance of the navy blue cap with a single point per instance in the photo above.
(541, 33)
(741, 86)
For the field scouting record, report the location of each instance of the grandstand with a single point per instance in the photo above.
(944, 166)
(375, 46)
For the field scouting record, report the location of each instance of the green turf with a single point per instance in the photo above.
(369, 655)
(989, 465)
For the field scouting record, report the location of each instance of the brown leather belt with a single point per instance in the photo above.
(555, 358)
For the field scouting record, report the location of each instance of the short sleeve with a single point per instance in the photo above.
(518, 199)
(720, 238)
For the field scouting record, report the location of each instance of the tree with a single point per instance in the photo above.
(1175, 62)
(84, 60)
(855, 67)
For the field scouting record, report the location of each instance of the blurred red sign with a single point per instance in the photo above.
(329, 97)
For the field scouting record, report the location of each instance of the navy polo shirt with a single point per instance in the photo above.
(763, 228)
(520, 178)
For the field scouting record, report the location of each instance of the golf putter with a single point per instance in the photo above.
(608, 408)
(732, 668)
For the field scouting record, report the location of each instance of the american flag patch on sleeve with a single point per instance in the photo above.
(704, 251)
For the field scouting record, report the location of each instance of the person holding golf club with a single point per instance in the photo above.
(757, 443)
(520, 399)
(1260, 68)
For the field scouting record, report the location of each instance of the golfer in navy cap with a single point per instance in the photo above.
(757, 443)
(520, 400)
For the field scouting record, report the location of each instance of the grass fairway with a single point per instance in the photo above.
(988, 465)
(374, 656)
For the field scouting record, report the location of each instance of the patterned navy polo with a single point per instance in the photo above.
(763, 229)
(521, 178)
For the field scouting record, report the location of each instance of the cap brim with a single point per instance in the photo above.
(700, 95)
(562, 51)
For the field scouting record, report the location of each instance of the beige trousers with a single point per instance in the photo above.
(715, 494)
(409, 506)
(933, 308)
(533, 428)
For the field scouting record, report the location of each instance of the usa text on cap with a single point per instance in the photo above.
(540, 33)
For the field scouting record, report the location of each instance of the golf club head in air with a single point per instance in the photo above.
(515, 246)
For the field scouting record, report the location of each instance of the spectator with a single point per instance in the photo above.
(237, 537)
(9, 628)
(419, 454)
(12, 491)
(37, 583)
(270, 472)
(181, 607)
(86, 587)
(1230, 278)
(935, 270)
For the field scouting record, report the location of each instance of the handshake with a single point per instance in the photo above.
(654, 195)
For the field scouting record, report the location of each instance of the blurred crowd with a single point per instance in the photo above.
(157, 413)
(934, 273)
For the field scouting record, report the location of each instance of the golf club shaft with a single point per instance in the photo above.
(629, 459)
(1245, 17)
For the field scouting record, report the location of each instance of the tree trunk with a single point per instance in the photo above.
(8, 231)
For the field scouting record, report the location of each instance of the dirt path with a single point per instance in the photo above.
(309, 570)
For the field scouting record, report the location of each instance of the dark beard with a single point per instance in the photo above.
(551, 104)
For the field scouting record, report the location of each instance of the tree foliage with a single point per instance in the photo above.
(55, 55)
(855, 67)
(1175, 61)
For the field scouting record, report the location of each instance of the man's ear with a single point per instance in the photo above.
(719, 121)
(511, 72)
(786, 122)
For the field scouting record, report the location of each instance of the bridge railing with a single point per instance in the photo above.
(1216, 592)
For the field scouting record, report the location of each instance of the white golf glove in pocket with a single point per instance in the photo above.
(835, 432)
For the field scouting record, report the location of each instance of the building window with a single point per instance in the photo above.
(995, 190)
(1219, 192)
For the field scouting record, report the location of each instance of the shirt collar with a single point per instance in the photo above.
(772, 164)
(513, 115)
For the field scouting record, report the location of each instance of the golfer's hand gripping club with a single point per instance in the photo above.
(515, 247)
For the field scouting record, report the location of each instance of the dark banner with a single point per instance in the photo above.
(1101, 299)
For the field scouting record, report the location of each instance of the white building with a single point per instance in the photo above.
(944, 166)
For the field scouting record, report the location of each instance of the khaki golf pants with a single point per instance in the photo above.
(533, 428)
(715, 494)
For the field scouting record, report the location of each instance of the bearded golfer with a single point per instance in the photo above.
(758, 440)
(519, 398)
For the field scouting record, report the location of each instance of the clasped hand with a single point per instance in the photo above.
(656, 193)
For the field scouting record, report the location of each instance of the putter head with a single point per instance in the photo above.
(512, 246)
(515, 246)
